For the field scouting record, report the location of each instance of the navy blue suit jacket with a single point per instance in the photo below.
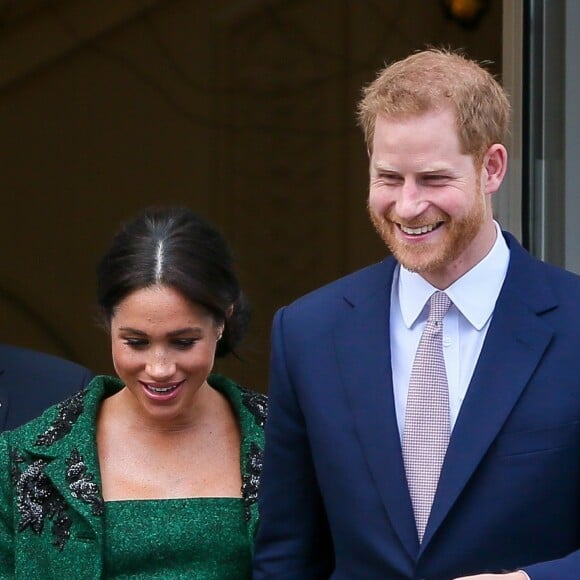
(31, 381)
(334, 499)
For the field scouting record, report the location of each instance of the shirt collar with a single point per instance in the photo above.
(474, 294)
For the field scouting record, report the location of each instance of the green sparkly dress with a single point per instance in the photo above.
(55, 524)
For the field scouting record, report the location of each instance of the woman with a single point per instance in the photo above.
(153, 474)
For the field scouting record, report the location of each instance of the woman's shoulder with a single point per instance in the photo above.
(251, 409)
(243, 400)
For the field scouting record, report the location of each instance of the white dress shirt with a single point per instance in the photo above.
(473, 299)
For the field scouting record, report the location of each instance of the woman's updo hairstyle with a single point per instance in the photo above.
(174, 247)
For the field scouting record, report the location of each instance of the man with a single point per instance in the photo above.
(32, 381)
(424, 416)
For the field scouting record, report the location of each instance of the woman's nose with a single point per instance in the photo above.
(160, 366)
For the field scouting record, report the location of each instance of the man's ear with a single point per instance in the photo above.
(493, 168)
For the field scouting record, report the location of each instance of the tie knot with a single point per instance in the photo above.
(438, 307)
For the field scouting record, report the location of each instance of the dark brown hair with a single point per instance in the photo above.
(175, 247)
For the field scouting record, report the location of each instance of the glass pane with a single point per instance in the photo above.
(551, 131)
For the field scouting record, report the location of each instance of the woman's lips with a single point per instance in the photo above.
(161, 391)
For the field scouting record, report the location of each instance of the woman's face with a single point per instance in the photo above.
(163, 349)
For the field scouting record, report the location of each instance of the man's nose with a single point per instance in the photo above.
(410, 202)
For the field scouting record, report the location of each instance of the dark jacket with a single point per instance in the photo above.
(334, 496)
(31, 381)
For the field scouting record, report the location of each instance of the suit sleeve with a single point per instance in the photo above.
(293, 541)
(6, 515)
(567, 568)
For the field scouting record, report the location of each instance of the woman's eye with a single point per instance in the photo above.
(184, 342)
(136, 342)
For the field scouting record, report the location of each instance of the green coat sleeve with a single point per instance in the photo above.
(6, 512)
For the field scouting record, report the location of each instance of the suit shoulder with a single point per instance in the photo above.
(558, 278)
(32, 361)
(58, 419)
(560, 275)
(565, 286)
(354, 285)
(525, 262)
(546, 288)
(24, 433)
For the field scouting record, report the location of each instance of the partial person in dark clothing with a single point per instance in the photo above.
(31, 381)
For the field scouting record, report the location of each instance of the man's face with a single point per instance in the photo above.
(427, 199)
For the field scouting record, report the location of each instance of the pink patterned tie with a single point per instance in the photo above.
(426, 433)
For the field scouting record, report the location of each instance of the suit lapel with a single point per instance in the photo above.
(514, 346)
(363, 353)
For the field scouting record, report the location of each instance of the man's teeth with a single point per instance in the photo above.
(417, 231)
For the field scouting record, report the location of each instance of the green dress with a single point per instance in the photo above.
(55, 524)
(177, 538)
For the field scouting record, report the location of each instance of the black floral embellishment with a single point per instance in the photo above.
(37, 499)
(68, 413)
(16, 459)
(251, 479)
(257, 404)
(81, 483)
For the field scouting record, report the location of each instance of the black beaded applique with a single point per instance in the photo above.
(68, 413)
(38, 499)
(81, 483)
(257, 404)
(251, 479)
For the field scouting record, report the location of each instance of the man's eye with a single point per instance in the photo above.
(435, 178)
(390, 179)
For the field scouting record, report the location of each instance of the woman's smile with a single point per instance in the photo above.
(162, 391)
